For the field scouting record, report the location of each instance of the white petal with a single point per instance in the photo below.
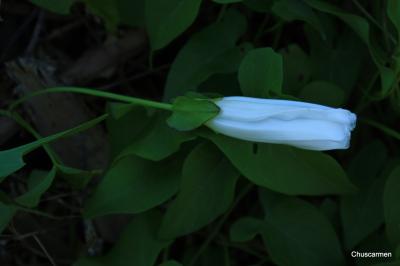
(253, 109)
(274, 129)
(303, 125)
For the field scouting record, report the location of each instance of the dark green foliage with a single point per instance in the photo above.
(190, 194)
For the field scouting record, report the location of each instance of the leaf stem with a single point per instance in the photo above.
(214, 233)
(97, 93)
(365, 97)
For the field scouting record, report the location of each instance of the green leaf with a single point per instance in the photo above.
(269, 199)
(393, 11)
(297, 69)
(391, 207)
(126, 124)
(360, 219)
(362, 213)
(39, 182)
(222, 84)
(295, 233)
(151, 144)
(137, 245)
(323, 92)
(166, 20)
(261, 73)
(206, 191)
(118, 12)
(190, 113)
(12, 159)
(330, 208)
(290, 10)
(59, 6)
(245, 229)
(339, 62)
(134, 185)
(76, 178)
(310, 240)
(361, 27)
(212, 50)
(107, 10)
(285, 169)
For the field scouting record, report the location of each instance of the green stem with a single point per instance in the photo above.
(277, 37)
(371, 18)
(25, 125)
(260, 30)
(365, 98)
(97, 93)
(214, 233)
(391, 132)
(222, 12)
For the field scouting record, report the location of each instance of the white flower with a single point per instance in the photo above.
(303, 125)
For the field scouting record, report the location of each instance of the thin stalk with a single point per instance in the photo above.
(365, 98)
(372, 19)
(222, 12)
(25, 125)
(277, 37)
(260, 30)
(391, 132)
(97, 93)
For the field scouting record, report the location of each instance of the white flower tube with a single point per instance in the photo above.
(303, 125)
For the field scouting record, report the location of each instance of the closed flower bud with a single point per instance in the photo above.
(303, 125)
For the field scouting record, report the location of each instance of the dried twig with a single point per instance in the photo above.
(44, 250)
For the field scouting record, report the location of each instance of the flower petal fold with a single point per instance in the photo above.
(304, 125)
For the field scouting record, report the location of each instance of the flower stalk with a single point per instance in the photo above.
(299, 124)
(97, 93)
